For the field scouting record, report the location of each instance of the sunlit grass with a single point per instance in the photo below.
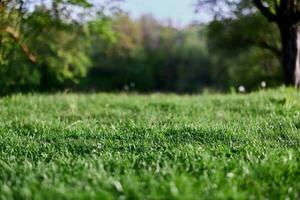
(108, 146)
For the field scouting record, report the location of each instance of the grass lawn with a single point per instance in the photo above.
(118, 146)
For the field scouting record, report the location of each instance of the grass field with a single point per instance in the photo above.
(118, 146)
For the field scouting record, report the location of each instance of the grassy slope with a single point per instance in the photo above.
(150, 147)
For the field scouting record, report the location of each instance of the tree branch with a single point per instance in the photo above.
(3, 4)
(269, 47)
(15, 35)
(276, 6)
(265, 11)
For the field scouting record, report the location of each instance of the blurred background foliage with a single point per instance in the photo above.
(45, 47)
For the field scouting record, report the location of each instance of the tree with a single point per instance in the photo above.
(10, 24)
(286, 15)
(245, 51)
(44, 44)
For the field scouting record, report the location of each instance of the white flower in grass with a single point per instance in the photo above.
(230, 175)
(263, 84)
(118, 186)
(242, 89)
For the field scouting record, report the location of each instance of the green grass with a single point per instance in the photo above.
(118, 146)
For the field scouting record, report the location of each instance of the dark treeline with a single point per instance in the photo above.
(45, 48)
(149, 56)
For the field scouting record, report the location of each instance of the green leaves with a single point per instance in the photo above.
(57, 38)
(83, 3)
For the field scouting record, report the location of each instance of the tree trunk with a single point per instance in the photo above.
(290, 38)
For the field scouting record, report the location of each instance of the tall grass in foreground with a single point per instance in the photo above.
(119, 146)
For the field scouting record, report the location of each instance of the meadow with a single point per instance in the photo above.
(157, 146)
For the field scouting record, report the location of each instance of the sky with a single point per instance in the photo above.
(181, 12)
